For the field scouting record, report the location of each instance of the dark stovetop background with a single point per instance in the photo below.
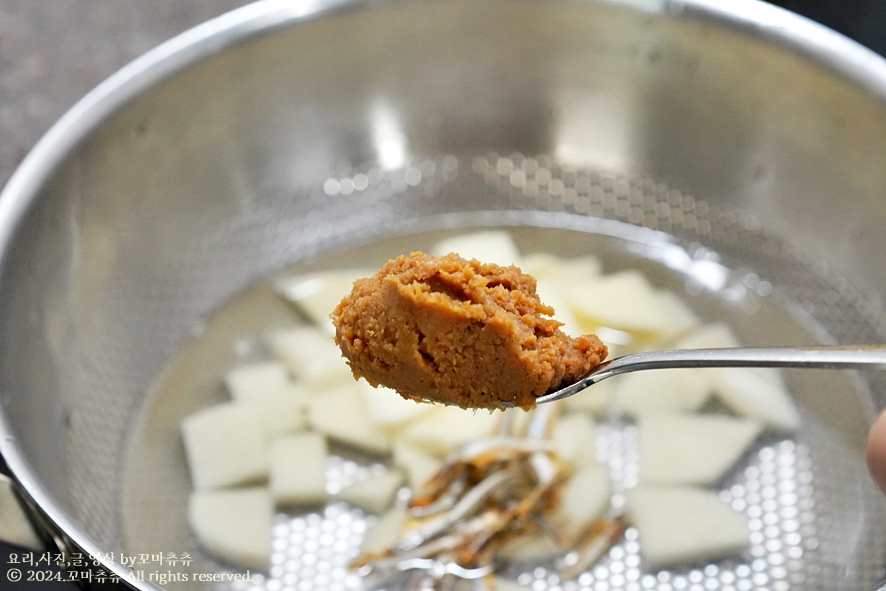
(52, 52)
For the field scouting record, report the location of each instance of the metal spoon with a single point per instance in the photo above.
(838, 357)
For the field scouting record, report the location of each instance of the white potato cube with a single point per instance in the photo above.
(447, 427)
(310, 355)
(618, 342)
(574, 438)
(756, 393)
(671, 390)
(375, 493)
(280, 402)
(683, 524)
(298, 469)
(710, 336)
(681, 318)
(585, 498)
(386, 532)
(280, 413)
(623, 301)
(494, 246)
(386, 408)
(317, 294)
(419, 466)
(550, 292)
(341, 414)
(555, 277)
(15, 527)
(225, 445)
(234, 525)
(542, 265)
(691, 449)
(246, 382)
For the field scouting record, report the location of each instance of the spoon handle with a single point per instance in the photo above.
(836, 357)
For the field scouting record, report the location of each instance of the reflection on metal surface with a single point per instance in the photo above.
(604, 117)
(387, 136)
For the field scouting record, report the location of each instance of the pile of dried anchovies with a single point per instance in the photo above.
(488, 493)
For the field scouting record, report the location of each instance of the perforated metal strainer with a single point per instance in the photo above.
(687, 139)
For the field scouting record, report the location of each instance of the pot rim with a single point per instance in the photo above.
(859, 65)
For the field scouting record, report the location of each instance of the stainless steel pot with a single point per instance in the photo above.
(241, 147)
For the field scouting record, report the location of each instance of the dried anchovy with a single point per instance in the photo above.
(595, 542)
(487, 493)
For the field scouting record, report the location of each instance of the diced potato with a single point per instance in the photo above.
(448, 427)
(317, 294)
(596, 399)
(691, 449)
(310, 355)
(246, 382)
(671, 390)
(684, 524)
(618, 342)
(556, 276)
(418, 465)
(386, 408)
(280, 402)
(585, 498)
(681, 317)
(574, 437)
(756, 394)
(542, 265)
(234, 525)
(374, 494)
(550, 292)
(386, 532)
(494, 246)
(530, 548)
(280, 413)
(15, 528)
(298, 469)
(225, 445)
(710, 336)
(624, 301)
(341, 414)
